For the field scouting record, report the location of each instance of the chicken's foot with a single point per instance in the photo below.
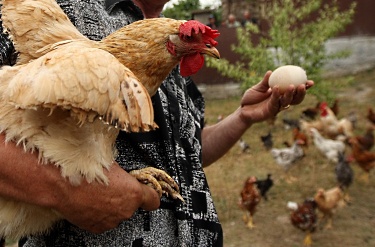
(159, 180)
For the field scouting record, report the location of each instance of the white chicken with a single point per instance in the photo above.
(328, 147)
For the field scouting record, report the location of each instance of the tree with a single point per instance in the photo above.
(297, 35)
(182, 10)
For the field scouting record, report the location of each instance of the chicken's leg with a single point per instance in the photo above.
(159, 180)
(329, 223)
(250, 223)
(307, 241)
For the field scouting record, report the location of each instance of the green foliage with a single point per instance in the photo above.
(297, 35)
(182, 10)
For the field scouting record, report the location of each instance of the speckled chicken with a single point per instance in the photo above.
(344, 172)
(285, 157)
(69, 96)
(245, 147)
(304, 217)
(250, 198)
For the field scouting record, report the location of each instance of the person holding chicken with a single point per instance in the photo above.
(126, 212)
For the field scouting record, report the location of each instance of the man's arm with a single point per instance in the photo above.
(94, 207)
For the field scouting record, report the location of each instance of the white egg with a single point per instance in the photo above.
(287, 75)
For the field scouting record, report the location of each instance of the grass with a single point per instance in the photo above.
(353, 225)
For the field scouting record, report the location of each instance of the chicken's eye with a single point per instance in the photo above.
(188, 38)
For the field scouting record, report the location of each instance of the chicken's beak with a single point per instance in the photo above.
(211, 51)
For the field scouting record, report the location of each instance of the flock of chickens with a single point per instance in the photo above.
(336, 141)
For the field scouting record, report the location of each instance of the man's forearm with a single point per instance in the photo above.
(219, 138)
(22, 178)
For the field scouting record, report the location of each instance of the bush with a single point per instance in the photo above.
(288, 42)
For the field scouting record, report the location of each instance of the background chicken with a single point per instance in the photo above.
(285, 157)
(65, 85)
(267, 140)
(366, 141)
(264, 185)
(344, 174)
(364, 158)
(298, 134)
(328, 201)
(303, 217)
(371, 115)
(290, 123)
(250, 198)
(311, 112)
(328, 124)
(332, 127)
(335, 107)
(329, 148)
(245, 148)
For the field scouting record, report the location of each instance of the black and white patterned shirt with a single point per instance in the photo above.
(174, 147)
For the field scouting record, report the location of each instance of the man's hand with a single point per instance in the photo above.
(96, 207)
(260, 102)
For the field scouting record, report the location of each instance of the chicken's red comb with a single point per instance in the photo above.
(188, 27)
(323, 108)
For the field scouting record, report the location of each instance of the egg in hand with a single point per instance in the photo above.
(287, 75)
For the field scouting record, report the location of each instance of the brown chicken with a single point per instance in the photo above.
(68, 96)
(304, 217)
(371, 115)
(366, 141)
(364, 158)
(328, 201)
(298, 134)
(329, 125)
(250, 198)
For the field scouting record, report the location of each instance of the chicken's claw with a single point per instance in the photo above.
(159, 180)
